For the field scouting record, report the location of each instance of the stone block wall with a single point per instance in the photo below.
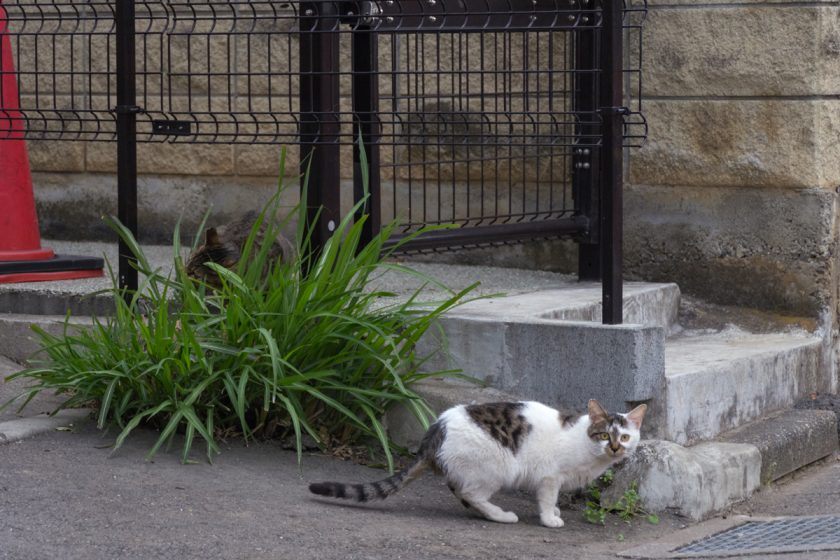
(734, 195)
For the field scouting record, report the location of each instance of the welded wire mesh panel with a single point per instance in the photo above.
(58, 69)
(479, 119)
(206, 71)
(635, 125)
(478, 128)
(218, 71)
(481, 113)
(489, 112)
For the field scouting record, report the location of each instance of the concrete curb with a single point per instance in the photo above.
(694, 482)
(789, 440)
(22, 428)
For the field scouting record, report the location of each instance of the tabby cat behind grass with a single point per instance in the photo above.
(481, 449)
(224, 245)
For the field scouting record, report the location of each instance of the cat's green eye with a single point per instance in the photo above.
(603, 436)
(625, 437)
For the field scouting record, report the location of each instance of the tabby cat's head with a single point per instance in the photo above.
(614, 435)
(213, 249)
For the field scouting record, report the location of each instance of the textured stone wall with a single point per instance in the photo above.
(733, 196)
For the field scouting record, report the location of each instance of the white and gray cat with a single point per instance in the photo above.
(483, 448)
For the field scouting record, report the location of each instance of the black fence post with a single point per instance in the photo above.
(585, 169)
(366, 123)
(126, 111)
(319, 117)
(612, 207)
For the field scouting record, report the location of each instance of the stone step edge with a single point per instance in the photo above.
(788, 440)
(765, 383)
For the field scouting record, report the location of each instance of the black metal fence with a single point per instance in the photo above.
(506, 117)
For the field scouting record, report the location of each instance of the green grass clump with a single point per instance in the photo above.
(297, 347)
(628, 506)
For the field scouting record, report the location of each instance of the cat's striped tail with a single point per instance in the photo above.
(427, 456)
(366, 492)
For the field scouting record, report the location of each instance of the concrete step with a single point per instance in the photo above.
(719, 381)
(545, 345)
(788, 440)
(80, 296)
(646, 304)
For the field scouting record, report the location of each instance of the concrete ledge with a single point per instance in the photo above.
(694, 482)
(47, 302)
(14, 430)
(789, 440)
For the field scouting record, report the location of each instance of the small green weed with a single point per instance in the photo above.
(626, 507)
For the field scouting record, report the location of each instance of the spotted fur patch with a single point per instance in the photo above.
(503, 421)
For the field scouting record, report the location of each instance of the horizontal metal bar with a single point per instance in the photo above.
(483, 235)
(471, 15)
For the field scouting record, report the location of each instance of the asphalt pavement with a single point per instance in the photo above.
(63, 495)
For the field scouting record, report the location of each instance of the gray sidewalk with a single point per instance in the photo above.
(63, 496)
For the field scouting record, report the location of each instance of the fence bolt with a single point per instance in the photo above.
(582, 165)
(308, 12)
(432, 19)
(389, 19)
(571, 17)
(585, 19)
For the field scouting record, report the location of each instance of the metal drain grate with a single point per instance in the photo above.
(793, 534)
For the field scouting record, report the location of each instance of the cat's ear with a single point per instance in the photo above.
(211, 237)
(636, 415)
(596, 411)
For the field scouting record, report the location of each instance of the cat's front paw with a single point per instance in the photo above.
(506, 517)
(551, 521)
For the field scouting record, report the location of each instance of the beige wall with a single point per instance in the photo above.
(733, 196)
(741, 95)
